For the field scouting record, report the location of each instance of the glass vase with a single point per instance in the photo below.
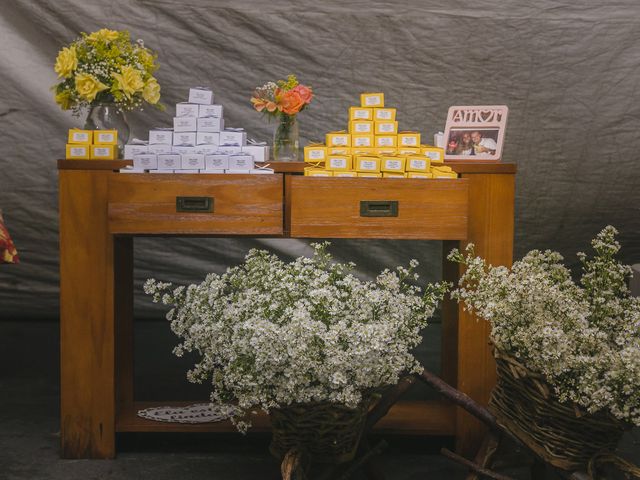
(107, 116)
(285, 139)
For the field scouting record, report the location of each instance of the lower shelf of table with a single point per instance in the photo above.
(407, 418)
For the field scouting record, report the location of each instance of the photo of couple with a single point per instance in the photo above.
(472, 142)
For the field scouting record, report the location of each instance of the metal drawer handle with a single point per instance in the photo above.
(194, 204)
(378, 208)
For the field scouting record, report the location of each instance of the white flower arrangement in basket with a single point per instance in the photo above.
(583, 337)
(271, 334)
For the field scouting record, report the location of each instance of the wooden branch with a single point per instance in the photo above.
(472, 466)
(390, 397)
(486, 453)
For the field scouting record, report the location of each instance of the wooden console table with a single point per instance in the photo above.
(101, 211)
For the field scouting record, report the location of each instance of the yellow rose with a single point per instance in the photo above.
(64, 99)
(129, 81)
(88, 86)
(103, 34)
(66, 62)
(151, 92)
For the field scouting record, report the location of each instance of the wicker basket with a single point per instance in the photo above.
(558, 432)
(325, 432)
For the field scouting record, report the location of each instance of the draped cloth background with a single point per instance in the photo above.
(569, 72)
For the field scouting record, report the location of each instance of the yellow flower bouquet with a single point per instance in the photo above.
(106, 67)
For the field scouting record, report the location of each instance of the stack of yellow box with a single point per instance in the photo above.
(373, 147)
(92, 145)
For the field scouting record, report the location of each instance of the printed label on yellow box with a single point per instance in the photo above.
(386, 141)
(367, 164)
(361, 140)
(361, 126)
(386, 150)
(369, 175)
(384, 114)
(418, 163)
(364, 151)
(338, 151)
(408, 139)
(408, 150)
(339, 162)
(338, 139)
(105, 137)
(315, 153)
(372, 100)
(394, 175)
(77, 152)
(314, 172)
(360, 113)
(392, 164)
(386, 127)
(436, 154)
(80, 136)
(419, 175)
(345, 174)
(103, 152)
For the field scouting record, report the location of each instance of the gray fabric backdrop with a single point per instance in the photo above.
(569, 72)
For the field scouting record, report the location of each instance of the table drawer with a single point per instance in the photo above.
(377, 208)
(196, 204)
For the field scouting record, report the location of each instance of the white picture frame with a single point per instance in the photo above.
(475, 132)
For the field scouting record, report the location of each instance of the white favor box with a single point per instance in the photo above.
(200, 95)
(233, 137)
(189, 170)
(184, 124)
(216, 161)
(210, 111)
(207, 138)
(169, 161)
(261, 171)
(192, 161)
(131, 150)
(241, 161)
(216, 172)
(160, 149)
(131, 170)
(184, 109)
(145, 161)
(161, 171)
(229, 149)
(259, 153)
(237, 171)
(161, 136)
(210, 124)
(206, 148)
(183, 149)
(184, 138)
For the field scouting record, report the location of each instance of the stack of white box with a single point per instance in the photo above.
(197, 143)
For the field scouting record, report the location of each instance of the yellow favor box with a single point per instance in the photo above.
(77, 136)
(339, 162)
(443, 172)
(366, 163)
(387, 141)
(364, 151)
(436, 154)
(369, 175)
(105, 137)
(384, 114)
(386, 127)
(408, 150)
(338, 139)
(419, 175)
(339, 173)
(315, 153)
(392, 163)
(361, 126)
(408, 139)
(104, 152)
(372, 100)
(317, 172)
(361, 140)
(360, 113)
(338, 151)
(77, 151)
(394, 175)
(418, 163)
(387, 150)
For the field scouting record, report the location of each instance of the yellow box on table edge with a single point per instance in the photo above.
(339, 162)
(315, 153)
(317, 172)
(419, 175)
(418, 163)
(77, 151)
(350, 173)
(369, 175)
(80, 137)
(393, 163)
(436, 154)
(367, 163)
(103, 152)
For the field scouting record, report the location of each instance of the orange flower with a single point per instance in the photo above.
(260, 104)
(305, 93)
(292, 102)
